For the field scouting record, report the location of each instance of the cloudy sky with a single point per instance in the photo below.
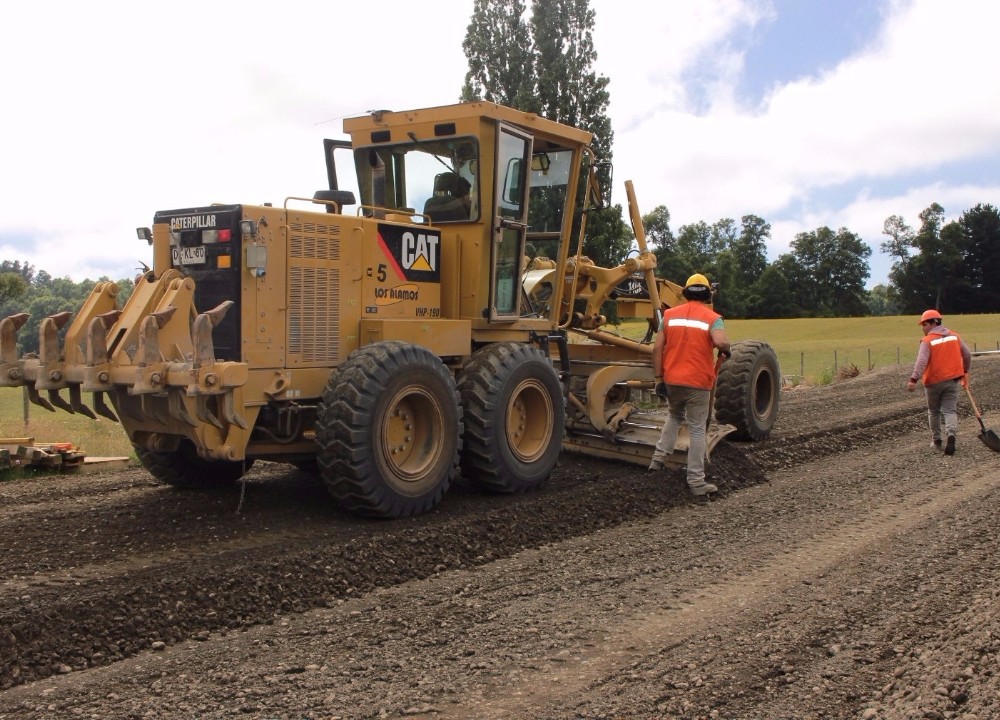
(804, 112)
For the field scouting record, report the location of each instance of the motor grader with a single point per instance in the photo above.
(445, 321)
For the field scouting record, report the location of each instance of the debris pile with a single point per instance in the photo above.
(26, 453)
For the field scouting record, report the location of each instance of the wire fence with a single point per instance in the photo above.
(815, 368)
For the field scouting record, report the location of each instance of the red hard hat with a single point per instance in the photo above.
(929, 315)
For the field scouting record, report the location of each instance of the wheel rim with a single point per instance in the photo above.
(762, 401)
(529, 420)
(411, 431)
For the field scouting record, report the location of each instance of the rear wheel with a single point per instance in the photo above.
(748, 390)
(388, 429)
(514, 417)
(184, 469)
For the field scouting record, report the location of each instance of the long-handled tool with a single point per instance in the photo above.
(989, 438)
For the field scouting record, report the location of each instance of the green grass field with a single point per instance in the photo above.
(808, 348)
(804, 347)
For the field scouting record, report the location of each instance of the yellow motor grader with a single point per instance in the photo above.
(448, 322)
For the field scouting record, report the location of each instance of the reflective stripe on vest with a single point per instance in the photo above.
(945, 362)
(688, 322)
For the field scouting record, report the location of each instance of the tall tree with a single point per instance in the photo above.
(694, 250)
(772, 295)
(25, 269)
(750, 248)
(980, 268)
(569, 90)
(546, 67)
(12, 286)
(740, 264)
(656, 225)
(937, 262)
(500, 52)
(660, 240)
(834, 267)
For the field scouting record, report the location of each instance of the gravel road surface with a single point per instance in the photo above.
(845, 570)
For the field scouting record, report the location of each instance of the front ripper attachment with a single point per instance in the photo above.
(154, 359)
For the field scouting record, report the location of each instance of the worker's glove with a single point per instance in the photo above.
(965, 381)
(725, 354)
(661, 390)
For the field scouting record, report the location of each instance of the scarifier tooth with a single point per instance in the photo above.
(56, 399)
(229, 412)
(37, 399)
(206, 415)
(177, 409)
(102, 408)
(76, 402)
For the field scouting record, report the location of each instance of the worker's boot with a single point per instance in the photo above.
(703, 489)
(949, 446)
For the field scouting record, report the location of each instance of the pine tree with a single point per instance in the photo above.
(499, 50)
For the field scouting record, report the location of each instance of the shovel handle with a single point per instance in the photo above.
(973, 403)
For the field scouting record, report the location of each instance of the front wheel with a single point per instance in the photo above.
(388, 428)
(515, 416)
(186, 470)
(748, 390)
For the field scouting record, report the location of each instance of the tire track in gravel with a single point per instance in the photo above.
(124, 606)
(709, 608)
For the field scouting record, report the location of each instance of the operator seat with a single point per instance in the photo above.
(447, 201)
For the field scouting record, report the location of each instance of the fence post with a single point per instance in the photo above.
(802, 366)
(835, 363)
(897, 355)
(869, 359)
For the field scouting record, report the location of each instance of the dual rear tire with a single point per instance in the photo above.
(394, 429)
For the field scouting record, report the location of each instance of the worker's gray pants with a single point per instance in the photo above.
(690, 405)
(942, 402)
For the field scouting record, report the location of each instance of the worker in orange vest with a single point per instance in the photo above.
(942, 363)
(685, 369)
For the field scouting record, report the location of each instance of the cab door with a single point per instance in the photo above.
(510, 222)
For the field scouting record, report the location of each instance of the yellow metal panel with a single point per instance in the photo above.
(441, 337)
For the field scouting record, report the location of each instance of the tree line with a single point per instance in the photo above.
(25, 290)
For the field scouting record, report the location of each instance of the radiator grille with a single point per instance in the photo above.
(314, 241)
(314, 320)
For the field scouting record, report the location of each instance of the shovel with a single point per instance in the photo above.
(989, 438)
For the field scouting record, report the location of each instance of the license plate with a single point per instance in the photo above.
(189, 255)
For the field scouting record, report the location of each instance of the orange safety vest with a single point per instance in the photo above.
(687, 351)
(945, 362)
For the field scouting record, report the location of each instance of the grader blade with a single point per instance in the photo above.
(636, 440)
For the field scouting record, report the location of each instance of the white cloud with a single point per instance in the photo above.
(918, 99)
